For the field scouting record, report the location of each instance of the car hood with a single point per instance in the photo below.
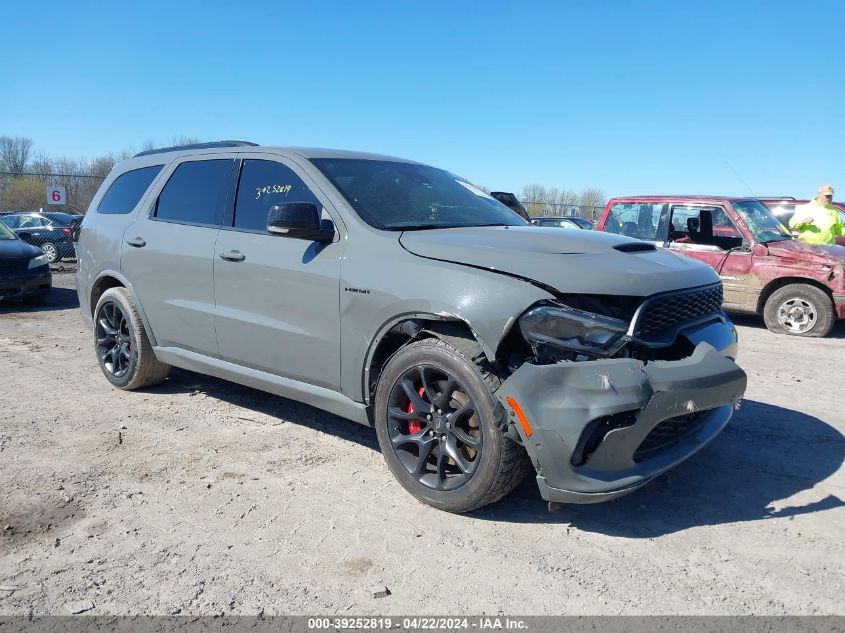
(578, 262)
(799, 251)
(17, 249)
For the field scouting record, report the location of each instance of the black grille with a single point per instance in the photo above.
(668, 433)
(668, 311)
(13, 266)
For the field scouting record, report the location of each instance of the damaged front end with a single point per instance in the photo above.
(604, 404)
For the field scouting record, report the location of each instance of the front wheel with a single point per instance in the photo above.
(441, 430)
(800, 310)
(123, 348)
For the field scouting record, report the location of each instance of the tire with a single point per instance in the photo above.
(799, 310)
(496, 465)
(51, 252)
(133, 365)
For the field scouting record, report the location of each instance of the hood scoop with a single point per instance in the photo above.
(635, 247)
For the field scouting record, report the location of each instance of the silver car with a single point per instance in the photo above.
(403, 297)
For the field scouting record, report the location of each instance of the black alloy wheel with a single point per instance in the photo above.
(114, 339)
(433, 427)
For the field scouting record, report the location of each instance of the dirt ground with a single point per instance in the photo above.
(203, 497)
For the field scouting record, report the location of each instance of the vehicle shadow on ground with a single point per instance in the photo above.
(58, 299)
(184, 381)
(766, 454)
(751, 320)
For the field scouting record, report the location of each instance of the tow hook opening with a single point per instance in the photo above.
(595, 432)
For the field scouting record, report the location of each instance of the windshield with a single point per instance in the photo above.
(5, 233)
(402, 196)
(761, 222)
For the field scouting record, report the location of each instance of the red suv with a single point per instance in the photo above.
(797, 288)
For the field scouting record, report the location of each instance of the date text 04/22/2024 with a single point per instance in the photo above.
(418, 623)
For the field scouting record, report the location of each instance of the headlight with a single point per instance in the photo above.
(35, 262)
(573, 330)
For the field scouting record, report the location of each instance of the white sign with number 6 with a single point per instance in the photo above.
(55, 195)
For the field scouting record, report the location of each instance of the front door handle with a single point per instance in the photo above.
(137, 242)
(233, 256)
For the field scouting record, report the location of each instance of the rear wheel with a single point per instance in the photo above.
(123, 349)
(441, 430)
(800, 310)
(51, 252)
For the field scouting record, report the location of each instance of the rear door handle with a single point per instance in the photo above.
(233, 256)
(137, 242)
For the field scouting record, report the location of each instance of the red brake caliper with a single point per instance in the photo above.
(414, 426)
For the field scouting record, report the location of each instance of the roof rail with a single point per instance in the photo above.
(180, 148)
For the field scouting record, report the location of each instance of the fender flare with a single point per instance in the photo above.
(489, 352)
(128, 285)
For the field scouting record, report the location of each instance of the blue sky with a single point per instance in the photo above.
(631, 97)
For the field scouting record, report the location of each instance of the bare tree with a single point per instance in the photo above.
(41, 163)
(534, 194)
(534, 199)
(591, 201)
(569, 200)
(14, 153)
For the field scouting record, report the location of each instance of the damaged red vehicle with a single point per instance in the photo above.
(797, 288)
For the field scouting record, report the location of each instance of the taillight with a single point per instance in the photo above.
(68, 231)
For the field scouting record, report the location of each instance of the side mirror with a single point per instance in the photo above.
(299, 220)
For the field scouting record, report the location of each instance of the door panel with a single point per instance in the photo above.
(172, 275)
(170, 262)
(277, 298)
(708, 235)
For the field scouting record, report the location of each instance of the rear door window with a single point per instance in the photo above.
(265, 183)
(127, 190)
(196, 193)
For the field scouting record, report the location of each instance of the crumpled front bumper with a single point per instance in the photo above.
(630, 408)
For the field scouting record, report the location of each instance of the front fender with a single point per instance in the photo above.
(376, 294)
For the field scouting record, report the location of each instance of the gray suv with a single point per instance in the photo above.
(402, 297)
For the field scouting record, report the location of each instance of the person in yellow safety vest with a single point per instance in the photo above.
(818, 221)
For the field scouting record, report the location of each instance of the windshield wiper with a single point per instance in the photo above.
(422, 227)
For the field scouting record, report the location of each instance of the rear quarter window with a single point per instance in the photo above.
(127, 190)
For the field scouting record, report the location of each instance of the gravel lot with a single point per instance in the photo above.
(203, 497)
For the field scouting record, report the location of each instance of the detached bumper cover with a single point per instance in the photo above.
(602, 429)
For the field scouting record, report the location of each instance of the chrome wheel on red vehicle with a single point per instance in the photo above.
(800, 309)
(797, 315)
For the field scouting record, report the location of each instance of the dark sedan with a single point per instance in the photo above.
(24, 269)
(52, 232)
